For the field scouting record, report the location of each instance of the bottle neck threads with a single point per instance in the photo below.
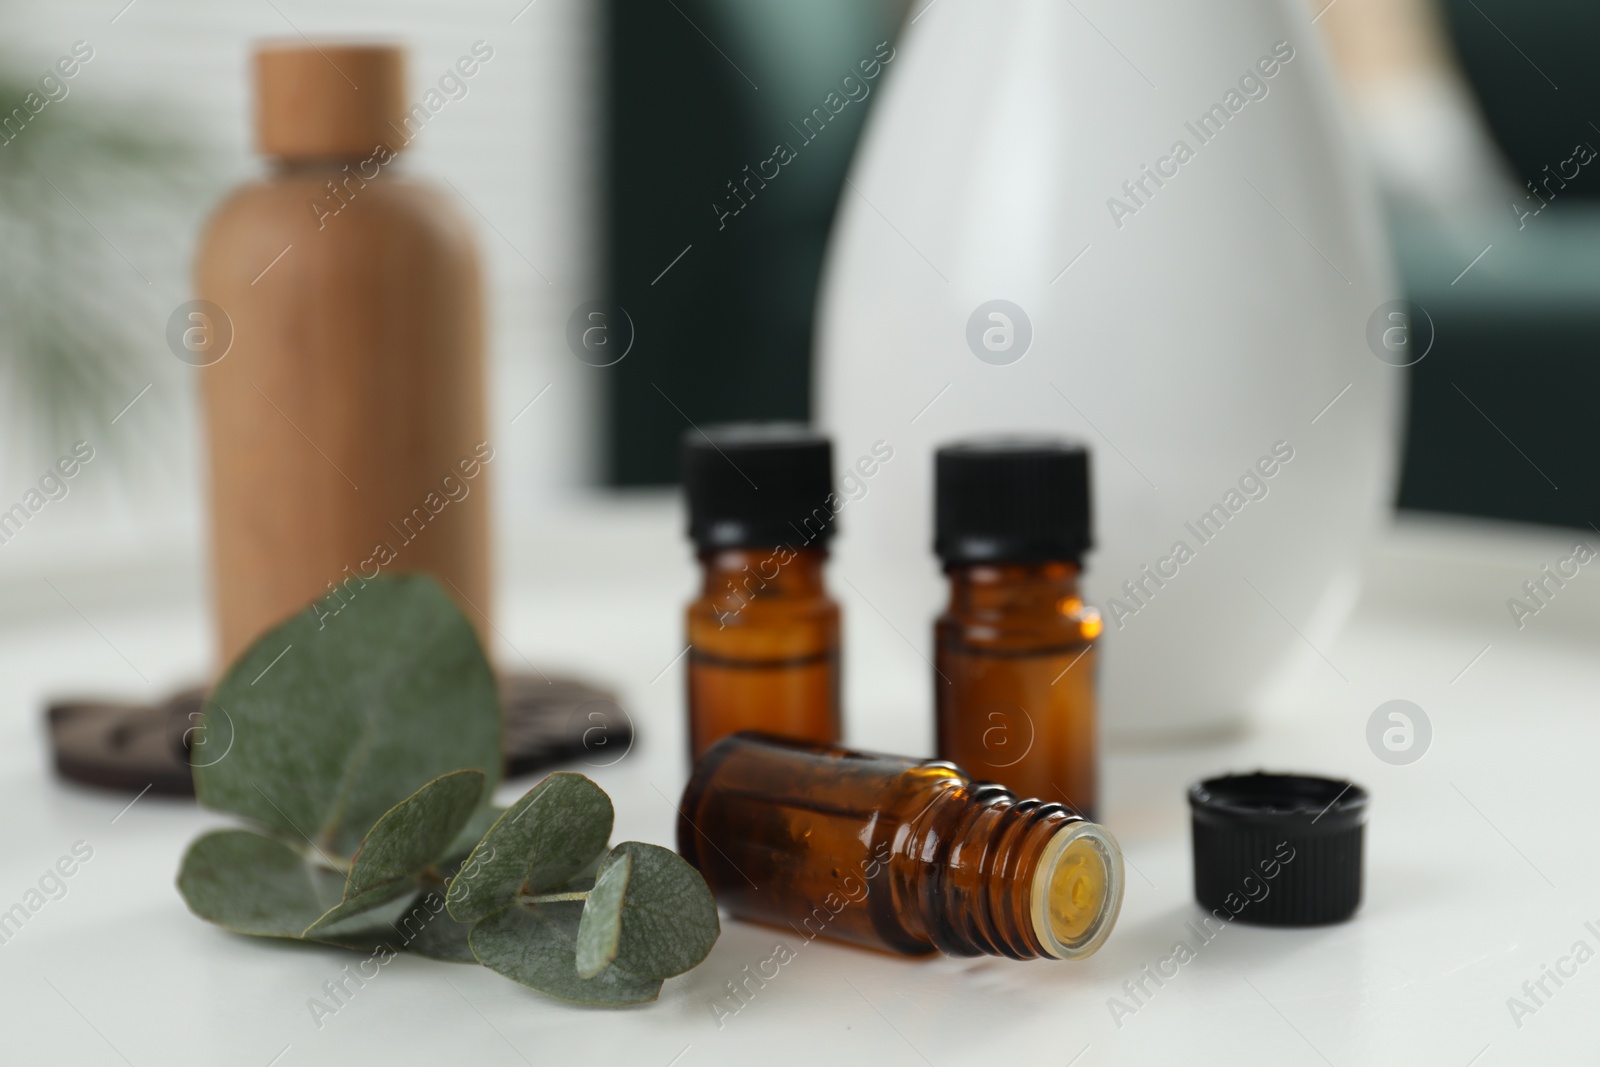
(985, 873)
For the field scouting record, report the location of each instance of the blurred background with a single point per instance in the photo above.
(600, 161)
(584, 155)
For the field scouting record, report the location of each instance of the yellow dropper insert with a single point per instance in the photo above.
(1077, 890)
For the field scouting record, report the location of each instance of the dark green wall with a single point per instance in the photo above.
(701, 90)
(1502, 413)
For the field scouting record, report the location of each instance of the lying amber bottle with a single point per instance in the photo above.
(894, 853)
(1015, 656)
(763, 633)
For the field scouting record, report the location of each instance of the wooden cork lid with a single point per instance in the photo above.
(329, 101)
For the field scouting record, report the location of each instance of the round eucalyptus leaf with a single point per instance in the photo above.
(536, 946)
(404, 843)
(601, 925)
(430, 930)
(545, 839)
(468, 838)
(359, 904)
(668, 918)
(348, 707)
(255, 885)
(416, 832)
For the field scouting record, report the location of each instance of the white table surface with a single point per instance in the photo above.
(1481, 858)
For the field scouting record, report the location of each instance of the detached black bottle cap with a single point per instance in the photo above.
(1278, 849)
(758, 485)
(1011, 500)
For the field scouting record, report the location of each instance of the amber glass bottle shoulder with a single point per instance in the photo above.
(1017, 606)
(761, 604)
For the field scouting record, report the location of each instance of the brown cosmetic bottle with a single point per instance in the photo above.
(1015, 648)
(763, 633)
(345, 420)
(904, 855)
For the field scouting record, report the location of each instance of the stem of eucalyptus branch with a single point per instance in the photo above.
(333, 863)
(550, 898)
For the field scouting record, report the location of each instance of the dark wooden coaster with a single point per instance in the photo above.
(557, 720)
(134, 747)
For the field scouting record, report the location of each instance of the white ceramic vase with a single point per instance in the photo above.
(1185, 310)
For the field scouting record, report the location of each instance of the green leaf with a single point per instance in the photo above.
(548, 837)
(535, 946)
(409, 838)
(368, 930)
(430, 930)
(664, 923)
(468, 838)
(360, 904)
(601, 925)
(259, 885)
(347, 708)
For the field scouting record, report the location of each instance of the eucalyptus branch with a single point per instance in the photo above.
(550, 898)
(470, 876)
(334, 863)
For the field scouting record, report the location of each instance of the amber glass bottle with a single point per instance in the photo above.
(895, 853)
(763, 633)
(1015, 654)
